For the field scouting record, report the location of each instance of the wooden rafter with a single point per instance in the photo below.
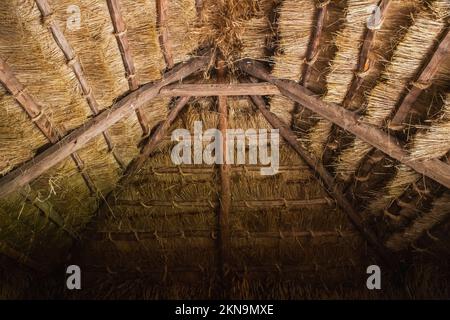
(331, 186)
(74, 63)
(92, 128)
(364, 63)
(434, 168)
(209, 234)
(214, 89)
(162, 7)
(225, 178)
(207, 204)
(313, 47)
(120, 31)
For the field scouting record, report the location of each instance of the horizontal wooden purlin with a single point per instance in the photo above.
(26, 101)
(206, 204)
(350, 121)
(211, 234)
(210, 90)
(19, 257)
(212, 169)
(188, 271)
(40, 119)
(81, 136)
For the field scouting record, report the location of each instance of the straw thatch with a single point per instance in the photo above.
(406, 62)
(142, 227)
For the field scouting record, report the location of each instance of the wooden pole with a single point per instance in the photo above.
(313, 47)
(120, 31)
(162, 7)
(225, 180)
(218, 89)
(80, 137)
(434, 168)
(331, 186)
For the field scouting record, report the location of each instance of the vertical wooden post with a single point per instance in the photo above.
(225, 181)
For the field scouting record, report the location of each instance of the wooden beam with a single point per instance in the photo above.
(210, 234)
(314, 44)
(364, 63)
(80, 137)
(434, 168)
(207, 204)
(217, 89)
(120, 31)
(21, 258)
(422, 82)
(37, 115)
(193, 275)
(331, 186)
(162, 7)
(224, 240)
(74, 63)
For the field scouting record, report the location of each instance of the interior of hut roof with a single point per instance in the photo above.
(102, 103)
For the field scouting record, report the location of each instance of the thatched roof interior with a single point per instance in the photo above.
(157, 231)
